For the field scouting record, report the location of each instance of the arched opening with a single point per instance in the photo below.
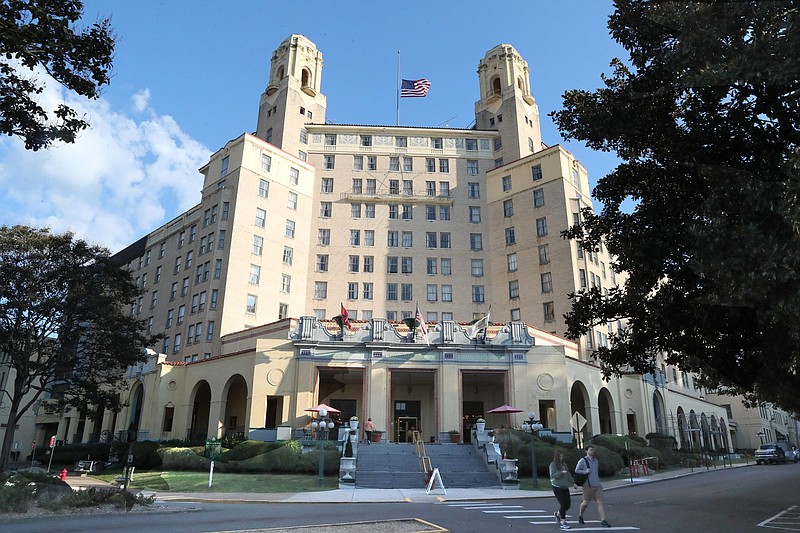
(694, 431)
(200, 401)
(305, 79)
(235, 418)
(281, 73)
(605, 408)
(579, 403)
(496, 85)
(520, 85)
(683, 428)
(705, 432)
(135, 418)
(659, 413)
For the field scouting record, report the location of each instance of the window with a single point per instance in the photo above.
(408, 164)
(576, 178)
(286, 283)
(322, 262)
(325, 209)
(252, 300)
(221, 240)
(288, 255)
(358, 162)
(444, 239)
(266, 162)
(353, 263)
(473, 189)
(430, 265)
(511, 262)
(203, 241)
(508, 208)
(209, 331)
(326, 185)
(408, 188)
(538, 198)
(330, 139)
(369, 263)
(170, 315)
(357, 185)
(181, 239)
(162, 250)
(290, 228)
(477, 294)
(324, 237)
(195, 302)
(372, 162)
(367, 291)
(369, 210)
(536, 172)
(513, 289)
(516, 314)
(391, 264)
(224, 168)
(444, 165)
(258, 245)
(498, 162)
(444, 189)
(430, 239)
(394, 164)
(304, 136)
(366, 140)
(474, 214)
(206, 217)
(214, 299)
(430, 164)
(475, 241)
(430, 212)
(432, 293)
(447, 293)
(263, 188)
(292, 201)
(218, 269)
(302, 156)
(437, 143)
(541, 226)
(269, 135)
(328, 162)
(391, 291)
(401, 142)
(181, 314)
(352, 291)
(203, 298)
(173, 291)
(444, 212)
(582, 278)
(261, 217)
(371, 186)
(544, 254)
(408, 212)
(476, 267)
(445, 266)
(369, 237)
(255, 274)
(547, 282)
(185, 287)
(406, 292)
(407, 239)
(406, 265)
(189, 256)
(510, 236)
(320, 290)
(394, 187)
(498, 142)
(506, 183)
(177, 347)
(471, 144)
(192, 233)
(549, 312)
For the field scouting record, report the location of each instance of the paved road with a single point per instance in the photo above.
(751, 499)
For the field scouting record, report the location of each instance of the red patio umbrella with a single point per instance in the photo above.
(505, 408)
(322, 406)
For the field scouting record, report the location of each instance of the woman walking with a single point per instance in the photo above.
(562, 481)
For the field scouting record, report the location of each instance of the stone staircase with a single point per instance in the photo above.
(396, 466)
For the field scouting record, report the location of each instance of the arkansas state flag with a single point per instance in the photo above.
(345, 317)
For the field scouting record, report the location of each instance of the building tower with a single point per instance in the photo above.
(292, 97)
(507, 104)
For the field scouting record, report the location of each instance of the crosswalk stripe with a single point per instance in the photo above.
(518, 511)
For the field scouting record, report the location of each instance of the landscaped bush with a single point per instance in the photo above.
(282, 460)
(70, 454)
(247, 450)
(661, 441)
(184, 459)
(16, 499)
(145, 454)
(309, 462)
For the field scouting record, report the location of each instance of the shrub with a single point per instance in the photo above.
(309, 462)
(247, 450)
(16, 499)
(230, 441)
(145, 454)
(183, 459)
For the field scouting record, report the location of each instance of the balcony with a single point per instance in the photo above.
(385, 196)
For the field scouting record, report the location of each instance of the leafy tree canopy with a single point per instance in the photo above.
(45, 34)
(65, 328)
(705, 118)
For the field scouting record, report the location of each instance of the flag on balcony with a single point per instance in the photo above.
(422, 327)
(480, 324)
(345, 317)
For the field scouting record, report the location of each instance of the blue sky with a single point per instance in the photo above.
(188, 76)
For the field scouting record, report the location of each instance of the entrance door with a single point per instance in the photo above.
(406, 419)
(472, 412)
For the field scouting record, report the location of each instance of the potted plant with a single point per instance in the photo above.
(377, 435)
(353, 422)
(480, 424)
(455, 436)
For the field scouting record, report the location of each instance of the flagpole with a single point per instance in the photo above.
(397, 119)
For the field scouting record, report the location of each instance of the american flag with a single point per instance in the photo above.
(422, 327)
(414, 88)
(345, 316)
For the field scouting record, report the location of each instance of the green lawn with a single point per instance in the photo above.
(198, 482)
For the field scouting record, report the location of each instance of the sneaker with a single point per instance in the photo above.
(565, 526)
(558, 520)
(580, 519)
(605, 524)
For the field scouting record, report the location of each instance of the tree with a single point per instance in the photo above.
(63, 326)
(702, 213)
(42, 33)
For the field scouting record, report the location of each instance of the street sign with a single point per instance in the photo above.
(577, 421)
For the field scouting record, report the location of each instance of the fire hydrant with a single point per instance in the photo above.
(63, 475)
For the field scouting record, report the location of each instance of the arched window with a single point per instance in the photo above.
(306, 79)
(280, 72)
(496, 85)
(520, 85)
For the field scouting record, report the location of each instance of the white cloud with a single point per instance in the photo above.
(122, 178)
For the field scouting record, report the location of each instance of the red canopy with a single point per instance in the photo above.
(321, 406)
(506, 409)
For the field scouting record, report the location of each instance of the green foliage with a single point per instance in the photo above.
(16, 499)
(247, 450)
(72, 453)
(230, 441)
(662, 441)
(145, 454)
(702, 212)
(45, 34)
(183, 459)
(63, 319)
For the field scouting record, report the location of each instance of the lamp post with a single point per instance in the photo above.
(324, 424)
(533, 426)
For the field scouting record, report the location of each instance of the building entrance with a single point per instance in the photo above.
(472, 410)
(406, 419)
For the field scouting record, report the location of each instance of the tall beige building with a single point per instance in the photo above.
(305, 216)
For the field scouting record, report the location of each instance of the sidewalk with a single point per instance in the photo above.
(358, 495)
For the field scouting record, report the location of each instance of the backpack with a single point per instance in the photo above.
(580, 479)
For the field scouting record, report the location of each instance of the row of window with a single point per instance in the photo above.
(401, 291)
(443, 167)
(401, 141)
(194, 335)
